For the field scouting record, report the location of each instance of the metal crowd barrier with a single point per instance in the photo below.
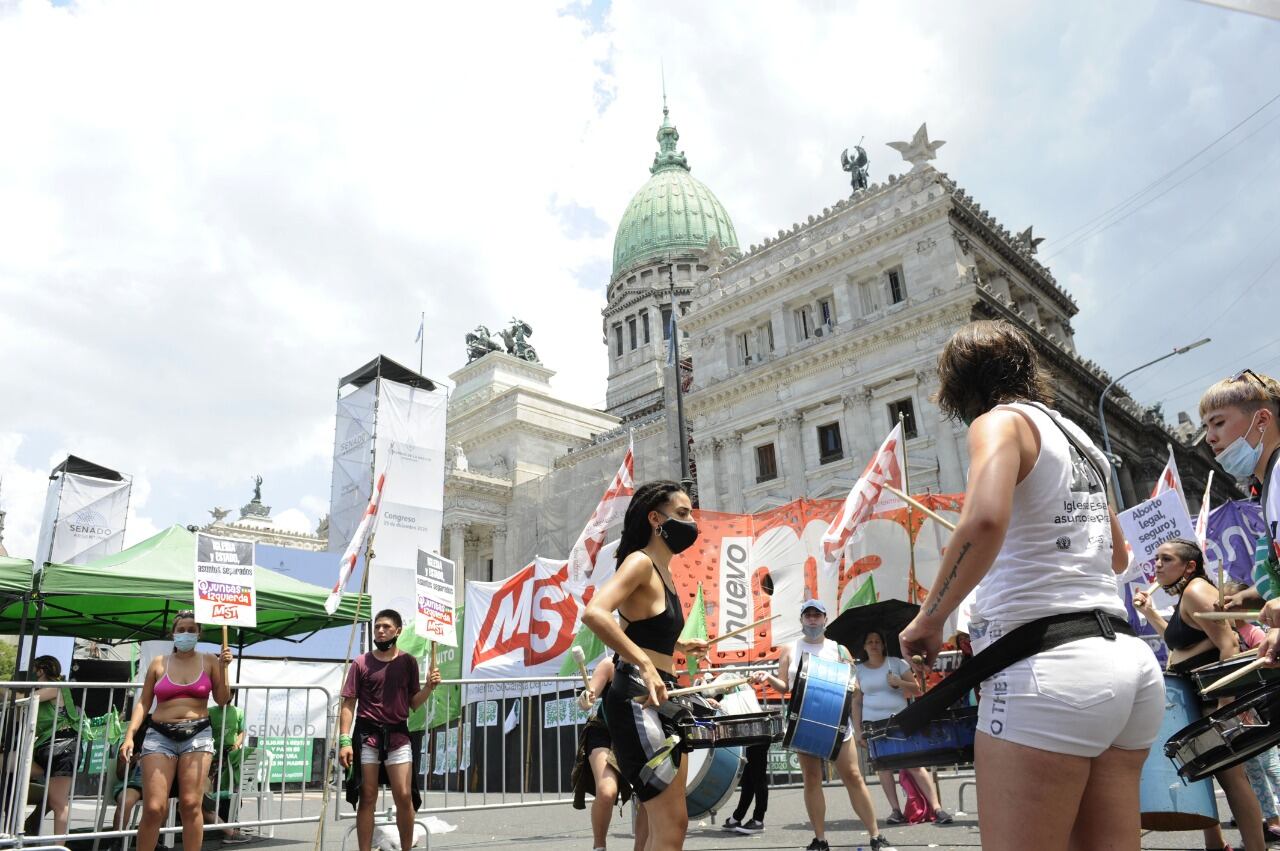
(280, 771)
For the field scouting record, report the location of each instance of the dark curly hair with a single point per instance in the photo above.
(636, 530)
(1188, 550)
(985, 364)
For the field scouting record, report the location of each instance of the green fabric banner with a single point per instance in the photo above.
(695, 626)
(864, 596)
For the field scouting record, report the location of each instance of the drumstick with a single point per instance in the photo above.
(724, 684)
(1231, 678)
(915, 503)
(1225, 616)
(581, 658)
(742, 629)
(1243, 653)
(1222, 594)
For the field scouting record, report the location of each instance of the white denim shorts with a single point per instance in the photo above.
(395, 756)
(1079, 698)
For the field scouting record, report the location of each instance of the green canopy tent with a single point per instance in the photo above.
(133, 595)
(15, 577)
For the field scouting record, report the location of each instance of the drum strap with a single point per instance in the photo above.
(1027, 640)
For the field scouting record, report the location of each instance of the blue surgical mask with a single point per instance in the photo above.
(185, 641)
(1240, 459)
(813, 631)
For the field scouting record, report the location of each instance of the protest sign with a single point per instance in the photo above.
(435, 578)
(224, 591)
(1148, 525)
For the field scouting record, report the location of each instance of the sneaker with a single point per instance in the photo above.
(732, 823)
(896, 817)
(880, 843)
(818, 845)
(751, 826)
(941, 816)
(237, 838)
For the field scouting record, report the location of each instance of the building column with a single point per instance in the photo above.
(1130, 493)
(950, 473)
(792, 454)
(862, 441)
(781, 336)
(499, 551)
(735, 480)
(842, 302)
(708, 461)
(458, 549)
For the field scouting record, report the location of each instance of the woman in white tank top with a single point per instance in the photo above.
(1063, 734)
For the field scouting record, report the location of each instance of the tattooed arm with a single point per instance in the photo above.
(1002, 449)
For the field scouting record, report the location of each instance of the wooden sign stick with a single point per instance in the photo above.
(916, 504)
(225, 645)
(742, 629)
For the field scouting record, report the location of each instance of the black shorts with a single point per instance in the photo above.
(648, 757)
(596, 735)
(64, 756)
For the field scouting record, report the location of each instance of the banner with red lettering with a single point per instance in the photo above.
(523, 626)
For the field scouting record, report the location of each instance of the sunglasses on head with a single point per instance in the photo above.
(1249, 374)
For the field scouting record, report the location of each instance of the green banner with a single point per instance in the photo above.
(782, 760)
(290, 758)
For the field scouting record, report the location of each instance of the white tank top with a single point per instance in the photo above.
(1056, 555)
(825, 649)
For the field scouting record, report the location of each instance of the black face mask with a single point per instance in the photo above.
(384, 645)
(679, 534)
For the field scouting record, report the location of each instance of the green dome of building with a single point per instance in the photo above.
(673, 213)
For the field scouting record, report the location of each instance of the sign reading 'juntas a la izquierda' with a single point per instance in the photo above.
(224, 592)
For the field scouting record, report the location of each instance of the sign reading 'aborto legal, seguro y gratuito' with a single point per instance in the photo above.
(225, 593)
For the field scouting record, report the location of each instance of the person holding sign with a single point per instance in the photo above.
(383, 686)
(178, 738)
(657, 525)
(1192, 643)
(1071, 698)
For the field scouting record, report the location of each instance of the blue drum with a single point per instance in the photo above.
(713, 776)
(1168, 802)
(819, 714)
(946, 741)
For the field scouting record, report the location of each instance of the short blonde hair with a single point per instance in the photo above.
(1247, 391)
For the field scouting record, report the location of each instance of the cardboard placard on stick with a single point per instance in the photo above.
(224, 590)
(435, 612)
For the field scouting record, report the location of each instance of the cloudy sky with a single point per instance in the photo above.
(211, 211)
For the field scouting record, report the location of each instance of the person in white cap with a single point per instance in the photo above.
(813, 623)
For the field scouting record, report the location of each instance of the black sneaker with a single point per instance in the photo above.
(818, 845)
(880, 843)
(732, 823)
(751, 826)
(941, 816)
(896, 817)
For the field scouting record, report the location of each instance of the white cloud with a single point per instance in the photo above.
(293, 520)
(214, 210)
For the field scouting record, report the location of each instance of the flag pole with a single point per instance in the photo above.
(685, 478)
(422, 339)
(911, 538)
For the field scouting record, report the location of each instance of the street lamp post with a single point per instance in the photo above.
(1102, 417)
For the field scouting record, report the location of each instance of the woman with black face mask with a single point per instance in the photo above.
(658, 524)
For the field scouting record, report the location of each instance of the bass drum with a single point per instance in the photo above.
(1166, 802)
(713, 776)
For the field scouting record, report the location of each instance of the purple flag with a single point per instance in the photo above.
(1234, 528)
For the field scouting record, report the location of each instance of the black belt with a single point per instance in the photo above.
(1027, 640)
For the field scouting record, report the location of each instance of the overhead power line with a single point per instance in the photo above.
(1131, 199)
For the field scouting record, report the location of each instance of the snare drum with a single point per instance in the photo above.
(1166, 802)
(712, 778)
(818, 716)
(1228, 736)
(752, 728)
(1209, 674)
(946, 741)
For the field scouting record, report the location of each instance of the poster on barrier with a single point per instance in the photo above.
(224, 591)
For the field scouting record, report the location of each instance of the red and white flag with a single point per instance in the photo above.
(1170, 481)
(582, 558)
(353, 549)
(1202, 519)
(867, 496)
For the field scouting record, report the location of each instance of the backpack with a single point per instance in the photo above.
(916, 809)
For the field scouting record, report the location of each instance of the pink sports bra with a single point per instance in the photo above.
(166, 689)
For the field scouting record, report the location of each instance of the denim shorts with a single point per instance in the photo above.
(157, 742)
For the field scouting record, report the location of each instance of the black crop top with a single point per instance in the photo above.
(659, 632)
(1179, 634)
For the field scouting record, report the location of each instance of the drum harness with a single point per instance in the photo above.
(1027, 640)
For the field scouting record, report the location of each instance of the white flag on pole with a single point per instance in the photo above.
(1170, 480)
(582, 558)
(349, 557)
(867, 496)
